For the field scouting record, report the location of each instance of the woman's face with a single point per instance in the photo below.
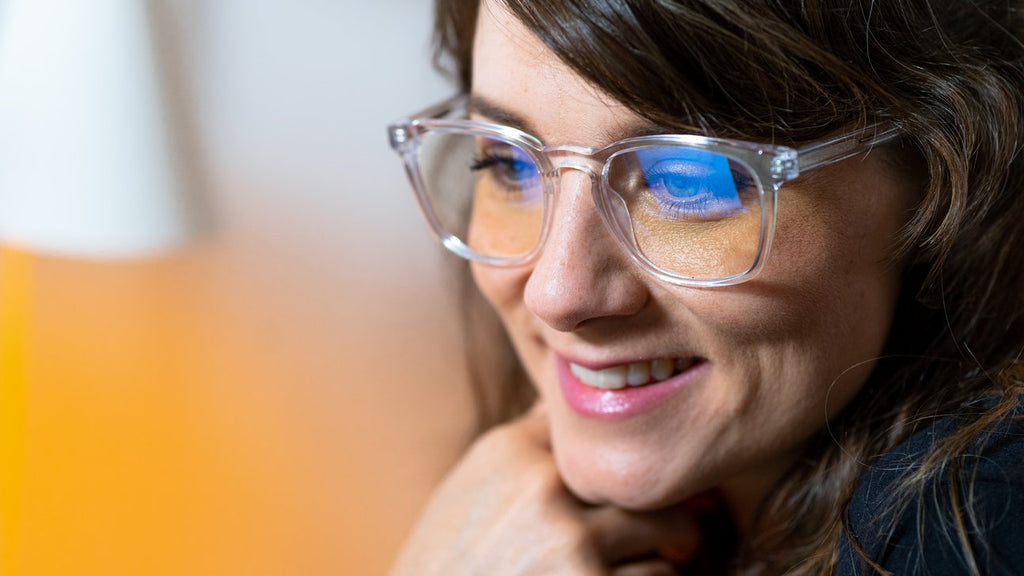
(756, 368)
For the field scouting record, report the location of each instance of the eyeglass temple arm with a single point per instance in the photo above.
(846, 146)
(399, 132)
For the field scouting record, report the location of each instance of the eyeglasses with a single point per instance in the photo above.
(691, 210)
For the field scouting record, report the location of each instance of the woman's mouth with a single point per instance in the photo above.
(626, 389)
(632, 374)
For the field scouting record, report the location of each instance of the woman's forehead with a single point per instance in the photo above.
(518, 81)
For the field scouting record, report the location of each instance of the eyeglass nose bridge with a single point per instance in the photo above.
(570, 157)
(610, 206)
(567, 158)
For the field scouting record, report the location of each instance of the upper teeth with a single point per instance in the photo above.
(634, 374)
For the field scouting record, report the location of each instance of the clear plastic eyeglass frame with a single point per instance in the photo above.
(771, 165)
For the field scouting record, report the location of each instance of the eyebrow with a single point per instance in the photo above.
(635, 131)
(492, 111)
(500, 115)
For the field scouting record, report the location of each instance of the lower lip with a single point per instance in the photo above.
(624, 402)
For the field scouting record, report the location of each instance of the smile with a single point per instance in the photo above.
(632, 374)
(626, 390)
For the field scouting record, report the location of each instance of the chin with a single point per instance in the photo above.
(627, 483)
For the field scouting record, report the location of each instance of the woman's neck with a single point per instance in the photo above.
(745, 494)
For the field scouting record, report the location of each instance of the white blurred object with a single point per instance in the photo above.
(94, 159)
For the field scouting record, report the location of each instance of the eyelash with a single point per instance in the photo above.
(486, 160)
(699, 204)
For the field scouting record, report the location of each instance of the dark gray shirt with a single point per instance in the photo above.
(919, 538)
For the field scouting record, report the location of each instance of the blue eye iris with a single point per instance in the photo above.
(691, 183)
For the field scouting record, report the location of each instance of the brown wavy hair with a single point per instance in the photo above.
(951, 75)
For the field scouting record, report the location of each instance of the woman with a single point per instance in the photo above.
(762, 263)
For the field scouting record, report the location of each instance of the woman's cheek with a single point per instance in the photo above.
(502, 287)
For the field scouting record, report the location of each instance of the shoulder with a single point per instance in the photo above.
(918, 534)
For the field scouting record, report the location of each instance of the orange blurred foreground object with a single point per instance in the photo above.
(185, 416)
(15, 272)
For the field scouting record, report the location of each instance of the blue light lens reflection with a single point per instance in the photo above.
(690, 183)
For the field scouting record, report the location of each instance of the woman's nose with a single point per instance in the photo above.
(581, 274)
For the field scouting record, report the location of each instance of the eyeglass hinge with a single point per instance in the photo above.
(785, 166)
(399, 137)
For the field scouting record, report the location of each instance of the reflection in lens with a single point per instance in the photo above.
(693, 212)
(485, 191)
(689, 183)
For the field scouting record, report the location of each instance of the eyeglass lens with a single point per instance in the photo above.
(688, 211)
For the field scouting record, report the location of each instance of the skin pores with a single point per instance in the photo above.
(778, 355)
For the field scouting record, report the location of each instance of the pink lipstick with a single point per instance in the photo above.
(627, 401)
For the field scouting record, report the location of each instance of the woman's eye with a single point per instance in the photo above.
(507, 175)
(678, 186)
(686, 189)
(509, 168)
